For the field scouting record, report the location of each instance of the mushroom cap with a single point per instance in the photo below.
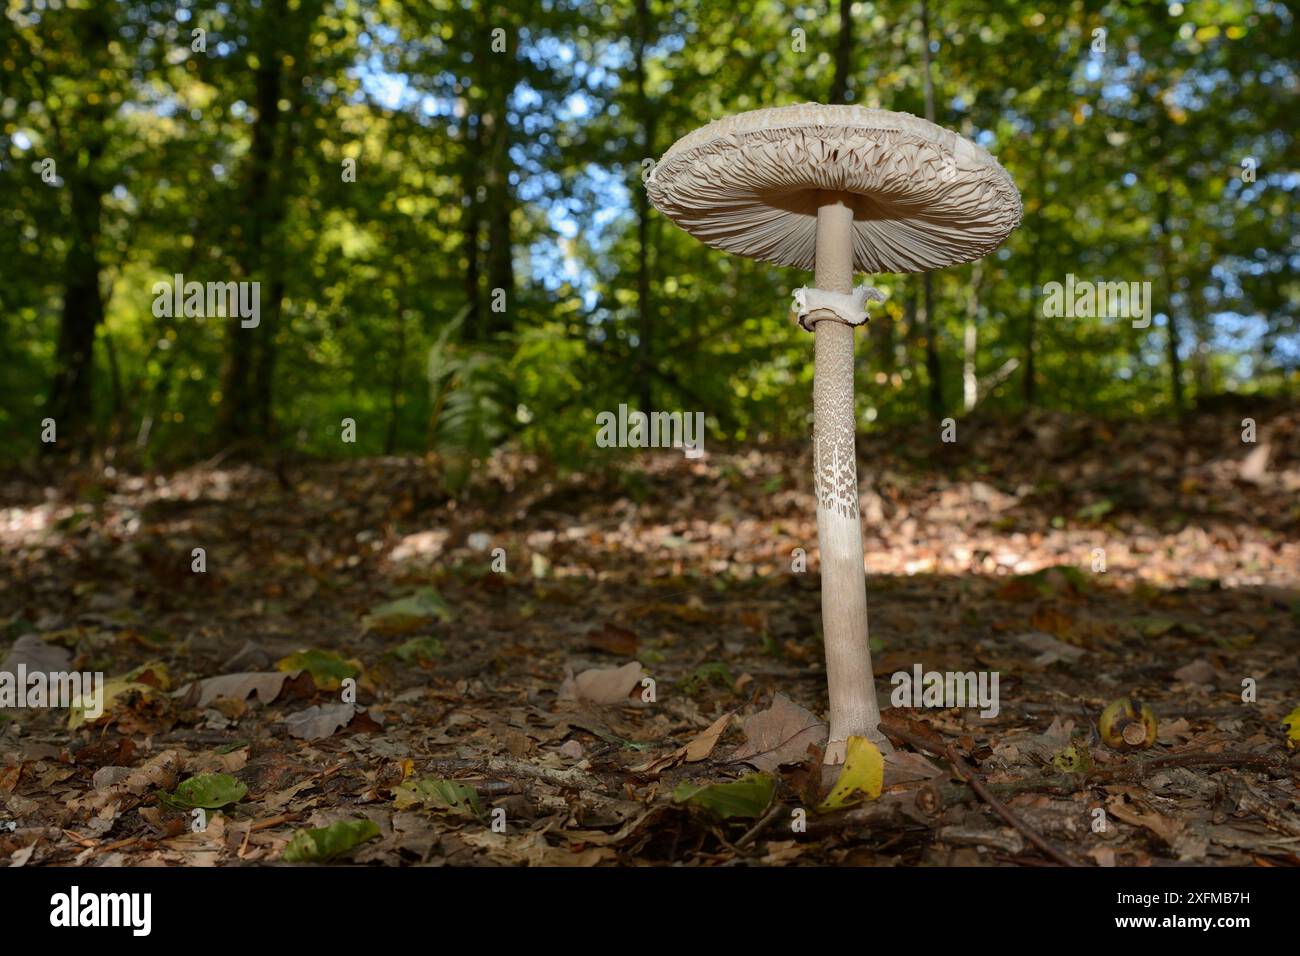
(922, 196)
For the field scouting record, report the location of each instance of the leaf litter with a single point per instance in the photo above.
(650, 690)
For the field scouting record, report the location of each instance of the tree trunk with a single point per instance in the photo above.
(930, 328)
(843, 55)
(881, 332)
(71, 401)
(500, 77)
(473, 225)
(645, 328)
(263, 410)
(273, 301)
(396, 381)
(1172, 340)
(237, 415)
(1035, 259)
(71, 398)
(910, 321)
(1202, 330)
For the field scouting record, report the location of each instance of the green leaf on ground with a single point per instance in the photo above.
(433, 793)
(211, 791)
(327, 669)
(747, 797)
(420, 650)
(328, 843)
(408, 614)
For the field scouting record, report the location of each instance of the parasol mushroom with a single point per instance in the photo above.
(837, 189)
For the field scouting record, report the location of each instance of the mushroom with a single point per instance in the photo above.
(837, 189)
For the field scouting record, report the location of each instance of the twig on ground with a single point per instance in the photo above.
(766, 821)
(106, 847)
(968, 774)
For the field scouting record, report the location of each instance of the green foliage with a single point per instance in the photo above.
(329, 843)
(435, 793)
(409, 613)
(472, 401)
(746, 798)
(712, 674)
(481, 171)
(210, 791)
(327, 669)
(419, 650)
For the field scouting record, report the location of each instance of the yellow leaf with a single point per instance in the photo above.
(1292, 724)
(863, 773)
(87, 709)
(146, 681)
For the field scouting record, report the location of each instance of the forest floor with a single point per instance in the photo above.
(476, 717)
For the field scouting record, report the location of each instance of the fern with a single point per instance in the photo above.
(473, 400)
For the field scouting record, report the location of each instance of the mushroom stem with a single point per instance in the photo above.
(852, 688)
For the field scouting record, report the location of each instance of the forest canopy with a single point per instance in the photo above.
(443, 207)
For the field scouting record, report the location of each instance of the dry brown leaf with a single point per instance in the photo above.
(320, 720)
(603, 685)
(779, 735)
(615, 640)
(698, 749)
(265, 684)
(36, 655)
(160, 772)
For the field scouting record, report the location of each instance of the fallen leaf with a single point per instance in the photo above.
(1048, 648)
(326, 668)
(1292, 724)
(903, 766)
(1255, 465)
(779, 735)
(36, 655)
(210, 791)
(140, 684)
(1199, 671)
(320, 720)
(432, 793)
(408, 614)
(603, 685)
(265, 684)
(283, 798)
(698, 749)
(862, 776)
(420, 651)
(159, 773)
(747, 797)
(615, 640)
(328, 843)
(1174, 731)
